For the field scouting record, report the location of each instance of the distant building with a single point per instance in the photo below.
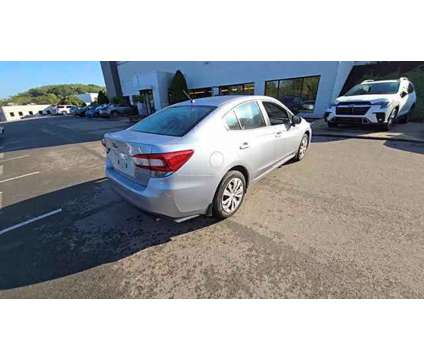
(307, 87)
(18, 112)
(87, 98)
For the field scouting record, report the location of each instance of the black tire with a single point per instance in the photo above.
(331, 125)
(300, 150)
(406, 117)
(218, 210)
(392, 119)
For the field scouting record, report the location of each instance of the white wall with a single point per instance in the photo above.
(217, 73)
(5, 111)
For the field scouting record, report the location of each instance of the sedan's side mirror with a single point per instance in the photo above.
(296, 119)
(403, 94)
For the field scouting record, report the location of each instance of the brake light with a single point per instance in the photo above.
(165, 162)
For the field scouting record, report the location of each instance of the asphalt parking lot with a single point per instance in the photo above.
(346, 222)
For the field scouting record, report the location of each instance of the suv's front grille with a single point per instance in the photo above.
(352, 110)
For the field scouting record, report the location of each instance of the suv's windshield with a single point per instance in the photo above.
(174, 121)
(377, 88)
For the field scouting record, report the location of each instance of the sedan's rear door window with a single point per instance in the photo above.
(250, 115)
(231, 121)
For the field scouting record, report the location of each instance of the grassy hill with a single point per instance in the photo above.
(52, 94)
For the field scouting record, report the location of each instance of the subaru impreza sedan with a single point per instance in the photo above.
(200, 156)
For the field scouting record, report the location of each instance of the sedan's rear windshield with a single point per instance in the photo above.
(391, 87)
(174, 121)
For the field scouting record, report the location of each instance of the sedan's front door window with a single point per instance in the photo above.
(277, 115)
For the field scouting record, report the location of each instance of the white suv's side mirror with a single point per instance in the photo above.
(403, 93)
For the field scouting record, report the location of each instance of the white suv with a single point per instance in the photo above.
(374, 102)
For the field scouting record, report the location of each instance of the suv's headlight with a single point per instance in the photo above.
(382, 104)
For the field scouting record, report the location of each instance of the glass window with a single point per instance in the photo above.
(31, 113)
(200, 93)
(277, 115)
(12, 114)
(173, 121)
(377, 88)
(250, 115)
(271, 88)
(298, 94)
(231, 121)
(237, 89)
(21, 113)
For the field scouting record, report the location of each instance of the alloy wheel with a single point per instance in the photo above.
(232, 195)
(303, 147)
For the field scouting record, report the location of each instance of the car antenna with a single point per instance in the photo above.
(188, 96)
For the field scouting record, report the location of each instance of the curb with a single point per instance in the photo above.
(415, 141)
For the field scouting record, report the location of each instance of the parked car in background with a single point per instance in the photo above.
(199, 157)
(114, 111)
(80, 111)
(76, 110)
(374, 103)
(50, 110)
(63, 109)
(90, 112)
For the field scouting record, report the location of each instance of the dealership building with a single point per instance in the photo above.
(307, 87)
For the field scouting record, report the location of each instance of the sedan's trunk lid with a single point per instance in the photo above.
(123, 145)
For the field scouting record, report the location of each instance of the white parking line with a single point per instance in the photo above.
(14, 158)
(19, 177)
(29, 221)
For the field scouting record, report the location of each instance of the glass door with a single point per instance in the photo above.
(147, 101)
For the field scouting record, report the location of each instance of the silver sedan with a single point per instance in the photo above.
(200, 156)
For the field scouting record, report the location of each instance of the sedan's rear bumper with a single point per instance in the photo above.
(157, 197)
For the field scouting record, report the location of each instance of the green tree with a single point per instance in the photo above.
(71, 100)
(52, 94)
(177, 88)
(102, 98)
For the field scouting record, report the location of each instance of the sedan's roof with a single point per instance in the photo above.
(220, 100)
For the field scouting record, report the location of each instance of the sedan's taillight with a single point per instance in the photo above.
(165, 162)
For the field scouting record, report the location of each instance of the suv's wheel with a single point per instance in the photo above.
(392, 118)
(407, 116)
(301, 151)
(229, 195)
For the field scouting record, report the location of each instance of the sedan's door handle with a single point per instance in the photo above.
(245, 145)
(278, 133)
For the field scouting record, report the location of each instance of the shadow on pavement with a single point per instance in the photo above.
(95, 227)
(55, 131)
(405, 146)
